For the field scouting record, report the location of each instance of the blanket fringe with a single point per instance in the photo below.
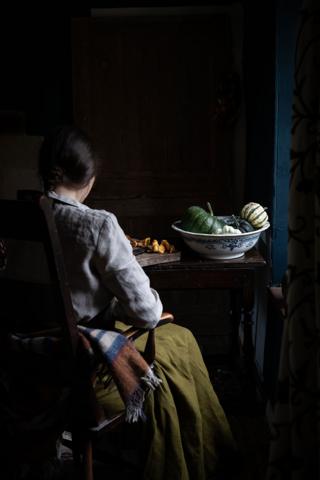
(134, 409)
(151, 379)
(134, 406)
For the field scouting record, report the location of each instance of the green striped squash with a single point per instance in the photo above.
(255, 214)
(198, 220)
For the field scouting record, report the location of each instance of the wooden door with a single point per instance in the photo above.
(145, 89)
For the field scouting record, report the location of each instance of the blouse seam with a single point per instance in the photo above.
(96, 249)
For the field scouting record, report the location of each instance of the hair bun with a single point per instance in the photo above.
(55, 177)
(66, 156)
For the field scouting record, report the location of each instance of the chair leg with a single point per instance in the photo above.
(76, 452)
(88, 460)
(82, 457)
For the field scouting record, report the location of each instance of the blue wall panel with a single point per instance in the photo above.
(286, 23)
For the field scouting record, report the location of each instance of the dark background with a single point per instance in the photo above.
(36, 79)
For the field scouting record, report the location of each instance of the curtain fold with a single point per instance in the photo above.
(295, 443)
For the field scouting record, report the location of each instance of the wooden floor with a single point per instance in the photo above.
(245, 411)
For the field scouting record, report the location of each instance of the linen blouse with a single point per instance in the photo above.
(102, 270)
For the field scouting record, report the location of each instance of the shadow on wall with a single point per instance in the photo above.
(18, 166)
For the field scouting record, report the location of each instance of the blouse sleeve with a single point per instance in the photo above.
(136, 302)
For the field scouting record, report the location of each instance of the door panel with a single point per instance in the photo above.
(145, 89)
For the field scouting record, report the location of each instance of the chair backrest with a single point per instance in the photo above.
(34, 288)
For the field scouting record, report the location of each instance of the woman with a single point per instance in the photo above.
(186, 433)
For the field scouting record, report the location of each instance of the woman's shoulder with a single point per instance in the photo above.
(69, 207)
(101, 226)
(100, 222)
(100, 217)
(83, 222)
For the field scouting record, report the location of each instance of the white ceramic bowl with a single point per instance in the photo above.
(223, 247)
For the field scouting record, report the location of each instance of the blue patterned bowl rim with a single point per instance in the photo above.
(177, 223)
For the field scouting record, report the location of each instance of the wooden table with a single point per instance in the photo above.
(237, 275)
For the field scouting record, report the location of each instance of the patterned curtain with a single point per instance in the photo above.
(295, 443)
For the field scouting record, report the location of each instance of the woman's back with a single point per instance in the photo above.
(186, 433)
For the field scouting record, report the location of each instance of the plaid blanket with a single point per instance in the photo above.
(131, 373)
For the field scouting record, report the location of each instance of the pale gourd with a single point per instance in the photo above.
(255, 214)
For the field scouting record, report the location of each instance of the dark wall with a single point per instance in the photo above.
(259, 73)
(35, 48)
(36, 65)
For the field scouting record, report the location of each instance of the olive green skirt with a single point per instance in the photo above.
(186, 433)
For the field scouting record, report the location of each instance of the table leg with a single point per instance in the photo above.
(247, 322)
(235, 316)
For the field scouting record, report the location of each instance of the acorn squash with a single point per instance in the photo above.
(240, 223)
(245, 226)
(198, 220)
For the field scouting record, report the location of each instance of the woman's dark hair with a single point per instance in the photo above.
(66, 156)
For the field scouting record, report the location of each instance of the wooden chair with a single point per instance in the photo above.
(39, 391)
